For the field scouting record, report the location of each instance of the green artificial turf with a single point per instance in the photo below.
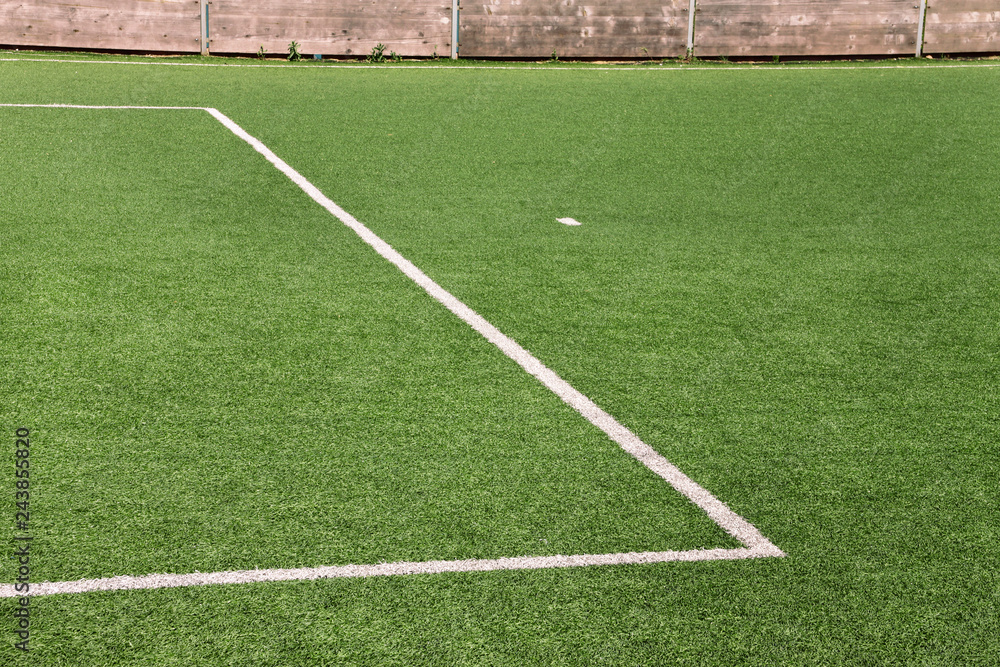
(286, 396)
(785, 282)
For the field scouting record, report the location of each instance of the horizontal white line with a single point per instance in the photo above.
(582, 68)
(94, 106)
(378, 570)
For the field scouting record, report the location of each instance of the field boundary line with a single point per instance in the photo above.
(98, 106)
(623, 68)
(152, 581)
(757, 546)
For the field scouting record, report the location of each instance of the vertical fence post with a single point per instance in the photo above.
(692, 7)
(203, 5)
(454, 29)
(920, 27)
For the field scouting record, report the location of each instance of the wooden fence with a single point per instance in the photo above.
(962, 26)
(802, 27)
(592, 28)
(511, 28)
(331, 27)
(161, 25)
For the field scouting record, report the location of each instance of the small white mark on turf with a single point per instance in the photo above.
(569, 221)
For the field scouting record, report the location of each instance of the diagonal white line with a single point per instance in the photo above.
(728, 520)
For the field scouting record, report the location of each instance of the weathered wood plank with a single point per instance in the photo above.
(149, 25)
(962, 26)
(324, 9)
(331, 27)
(805, 27)
(574, 28)
(509, 28)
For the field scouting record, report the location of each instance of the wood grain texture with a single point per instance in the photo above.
(805, 27)
(146, 25)
(509, 28)
(574, 28)
(332, 27)
(962, 26)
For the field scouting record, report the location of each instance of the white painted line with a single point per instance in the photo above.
(378, 570)
(728, 520)
(92, 106)
(623, 68)
(757, 546)
(568, 221)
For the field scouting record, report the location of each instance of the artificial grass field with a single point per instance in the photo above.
(785, 281)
